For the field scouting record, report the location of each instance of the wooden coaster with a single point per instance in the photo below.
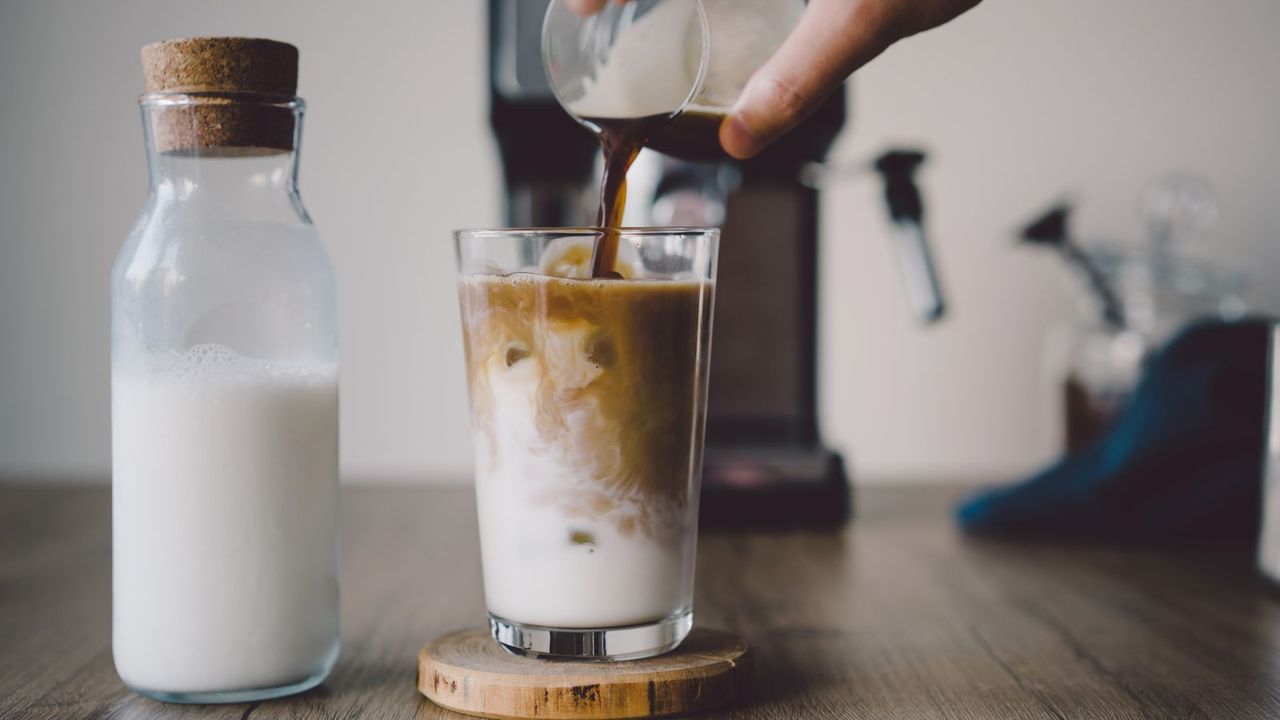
(469, 672)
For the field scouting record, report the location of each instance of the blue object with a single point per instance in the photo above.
(1182, 463)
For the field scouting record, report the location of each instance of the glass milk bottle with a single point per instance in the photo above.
(224, 391)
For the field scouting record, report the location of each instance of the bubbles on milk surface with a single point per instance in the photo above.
(213, 362)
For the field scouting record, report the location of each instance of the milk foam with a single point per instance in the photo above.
(213, 363)
(225, 483)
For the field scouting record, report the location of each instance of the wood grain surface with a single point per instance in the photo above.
(896, 617)
(469, 672)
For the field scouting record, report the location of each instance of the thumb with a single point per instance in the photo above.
(832, 39)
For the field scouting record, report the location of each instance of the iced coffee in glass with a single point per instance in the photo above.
(588, 401)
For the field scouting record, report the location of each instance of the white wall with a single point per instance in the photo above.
(1019, 100)
(1022, 100)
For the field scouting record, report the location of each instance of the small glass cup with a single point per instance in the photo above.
(645, 58)
(588, 402)
(680, 66)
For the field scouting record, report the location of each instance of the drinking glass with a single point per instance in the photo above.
(588, 401)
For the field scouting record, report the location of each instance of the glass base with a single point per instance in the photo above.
(242, 696)
(632, 642)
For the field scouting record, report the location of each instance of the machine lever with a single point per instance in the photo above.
(906, 213)
(1052, 230)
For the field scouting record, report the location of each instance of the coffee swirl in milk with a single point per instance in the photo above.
(597, 378)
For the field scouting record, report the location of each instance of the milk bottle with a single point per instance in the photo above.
(224, 391)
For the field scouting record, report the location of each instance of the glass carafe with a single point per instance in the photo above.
(224, 405)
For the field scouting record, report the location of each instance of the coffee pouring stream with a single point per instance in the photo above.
(766, 464)
(664, 74)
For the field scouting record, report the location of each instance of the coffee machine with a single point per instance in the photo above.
(765, 463)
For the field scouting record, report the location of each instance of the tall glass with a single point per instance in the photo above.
(588, 402)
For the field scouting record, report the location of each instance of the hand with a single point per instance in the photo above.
(833, 39)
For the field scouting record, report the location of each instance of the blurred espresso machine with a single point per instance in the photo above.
(765, 463)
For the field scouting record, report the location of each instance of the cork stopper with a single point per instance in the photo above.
(239, 92)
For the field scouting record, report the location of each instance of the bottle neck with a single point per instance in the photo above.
(189, 163)
(183, 176)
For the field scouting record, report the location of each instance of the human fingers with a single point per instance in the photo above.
(833, 39)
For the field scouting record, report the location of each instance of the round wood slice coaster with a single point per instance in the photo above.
(469, 672)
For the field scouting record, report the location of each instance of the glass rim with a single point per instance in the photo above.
(586, 231)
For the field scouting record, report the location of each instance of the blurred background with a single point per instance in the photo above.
(1018, 103)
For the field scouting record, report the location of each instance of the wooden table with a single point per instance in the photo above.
(897, 617)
